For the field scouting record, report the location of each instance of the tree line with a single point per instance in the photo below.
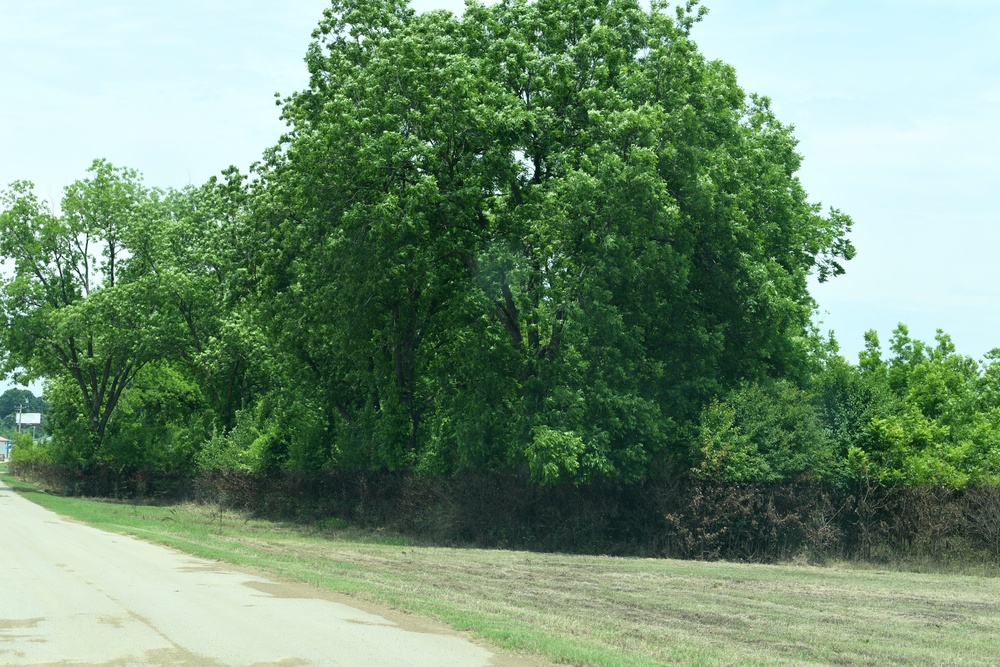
(545, 240)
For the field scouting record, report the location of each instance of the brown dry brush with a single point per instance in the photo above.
(105, 481)
(675, 519)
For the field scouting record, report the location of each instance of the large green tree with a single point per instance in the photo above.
(131, 289)
(538, 237)
(80, 305)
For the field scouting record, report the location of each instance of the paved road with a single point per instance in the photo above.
(74, 595)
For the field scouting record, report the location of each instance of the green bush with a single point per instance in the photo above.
(763, 433)
(27, 453)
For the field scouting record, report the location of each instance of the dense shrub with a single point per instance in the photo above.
(694, 520)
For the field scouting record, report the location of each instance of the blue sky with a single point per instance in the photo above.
(895, 105)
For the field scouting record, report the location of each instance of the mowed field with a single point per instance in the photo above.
(584, 610)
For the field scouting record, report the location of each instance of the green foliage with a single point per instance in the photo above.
(924, 416)
(26, 451)
(764, 433)
(544, 240)
(537, 238)
(157, 427)
(125, 302)
(210, 336)
(274, 434)
(159, 424)
(534, 240)
(249, 447)
(71, 444)
(81, 302)
(553, 455)
(851, 397)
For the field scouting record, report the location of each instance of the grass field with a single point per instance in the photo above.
(602, 611)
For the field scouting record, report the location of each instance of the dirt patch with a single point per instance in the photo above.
(18, 623)
(112, 621)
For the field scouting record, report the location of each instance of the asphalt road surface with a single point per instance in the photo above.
(74, 595)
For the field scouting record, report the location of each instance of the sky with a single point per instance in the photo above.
(894, 104)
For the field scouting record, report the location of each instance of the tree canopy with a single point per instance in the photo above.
(543, 239)
(538, 236)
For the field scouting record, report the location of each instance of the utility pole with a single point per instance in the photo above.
(19, 408)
